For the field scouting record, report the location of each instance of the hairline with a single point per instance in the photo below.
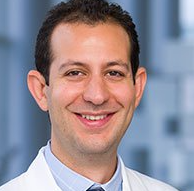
(109, 20)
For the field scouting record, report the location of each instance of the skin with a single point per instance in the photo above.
(90, 75)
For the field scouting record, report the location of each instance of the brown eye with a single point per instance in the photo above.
(75, 73)
(115, 73)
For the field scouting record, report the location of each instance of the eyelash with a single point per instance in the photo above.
(74, 73)
(116, 73)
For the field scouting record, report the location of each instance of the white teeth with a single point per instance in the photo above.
(94, 118)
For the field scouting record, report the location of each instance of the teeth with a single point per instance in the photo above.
(94, 118)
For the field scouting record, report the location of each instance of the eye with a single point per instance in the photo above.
(75, 73)
(115, 73)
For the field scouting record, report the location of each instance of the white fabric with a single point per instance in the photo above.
(39, 178)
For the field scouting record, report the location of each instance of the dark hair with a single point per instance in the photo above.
(89, 12)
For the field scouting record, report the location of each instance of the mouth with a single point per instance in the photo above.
(94, 121)
(93, 117)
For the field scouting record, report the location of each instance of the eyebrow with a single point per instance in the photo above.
(70, 63)
(119, 63)
(82, 64)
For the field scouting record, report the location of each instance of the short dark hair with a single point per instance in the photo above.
(89, 12)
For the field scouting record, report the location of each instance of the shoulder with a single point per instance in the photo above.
(27, 179)
(133, 180)
(15, 184)
(148, 182)
(37, 177)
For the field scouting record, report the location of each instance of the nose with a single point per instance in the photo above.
(96, 91)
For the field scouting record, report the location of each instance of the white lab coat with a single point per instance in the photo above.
(39, 178)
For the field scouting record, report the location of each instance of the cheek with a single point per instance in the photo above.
(59, 99)
(124, 94)
(65, 94)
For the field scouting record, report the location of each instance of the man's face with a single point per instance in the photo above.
(91, 96)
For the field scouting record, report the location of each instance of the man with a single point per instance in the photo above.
(89, 81)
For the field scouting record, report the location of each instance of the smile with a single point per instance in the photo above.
(94, 121)
(94, 118)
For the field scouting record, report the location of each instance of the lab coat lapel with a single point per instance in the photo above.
(130, 181)
(39, 177)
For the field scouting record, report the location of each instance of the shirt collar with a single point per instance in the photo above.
(69, 180)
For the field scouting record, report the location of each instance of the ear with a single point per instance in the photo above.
(140, 82)
(37, 85)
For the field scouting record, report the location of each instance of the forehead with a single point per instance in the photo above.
(81, 30)
(91, 41)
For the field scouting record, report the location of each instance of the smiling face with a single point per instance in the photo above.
(91, 96)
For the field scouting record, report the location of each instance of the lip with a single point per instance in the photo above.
(94, 124)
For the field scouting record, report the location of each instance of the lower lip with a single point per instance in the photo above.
(97, 124)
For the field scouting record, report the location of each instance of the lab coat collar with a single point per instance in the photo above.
(39, 176)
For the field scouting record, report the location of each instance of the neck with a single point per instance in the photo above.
(97, 167)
